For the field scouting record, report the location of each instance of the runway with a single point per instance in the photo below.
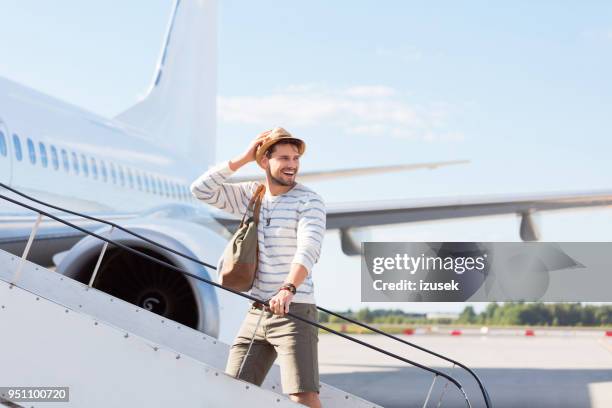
(553, 370)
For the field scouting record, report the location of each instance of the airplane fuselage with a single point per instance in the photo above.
(70, 157)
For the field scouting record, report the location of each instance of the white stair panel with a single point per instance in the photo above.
(123, 317)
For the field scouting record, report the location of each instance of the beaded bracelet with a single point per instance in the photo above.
(290, 287)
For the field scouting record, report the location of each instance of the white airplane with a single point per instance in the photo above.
(135, 169)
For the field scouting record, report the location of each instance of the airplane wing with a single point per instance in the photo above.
(340, 173)
(344, 216)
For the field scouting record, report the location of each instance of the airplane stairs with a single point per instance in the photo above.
(58, 332)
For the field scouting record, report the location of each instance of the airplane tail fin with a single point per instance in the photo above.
(179, 110)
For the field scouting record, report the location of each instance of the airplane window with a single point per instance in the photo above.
(130, 179)
(138, 180)
(84, 165)
(171, 185)
(43, 154)
(103, 171)
(121, 175)
(113, 173)
(165, 188)
(94, 168)
(17, 146)
(75, 162)
(54, 158)
(31, 151)
(65, 160)
(2, 144)
(160, 187)
(153, 185)
(146, 182)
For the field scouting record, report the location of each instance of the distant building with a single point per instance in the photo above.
(438, 315)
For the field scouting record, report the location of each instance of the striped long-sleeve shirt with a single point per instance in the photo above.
(295, 234)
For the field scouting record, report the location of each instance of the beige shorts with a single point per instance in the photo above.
(293, 341)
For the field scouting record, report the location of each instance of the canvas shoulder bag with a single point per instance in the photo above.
(240, 258)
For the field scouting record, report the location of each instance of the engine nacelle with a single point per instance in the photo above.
(148, 284)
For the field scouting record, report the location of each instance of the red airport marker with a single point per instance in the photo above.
(529, 332)
(408, 332)
(608, 333)
(456, 333)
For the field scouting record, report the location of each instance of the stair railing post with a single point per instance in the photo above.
(429, 392)
(26, 251)
(95, 272)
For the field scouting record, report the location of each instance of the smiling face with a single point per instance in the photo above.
(282, 162)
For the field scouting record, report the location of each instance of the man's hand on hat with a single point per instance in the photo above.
(279, 303)
(250, 152)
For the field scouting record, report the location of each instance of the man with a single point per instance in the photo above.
(290, 232)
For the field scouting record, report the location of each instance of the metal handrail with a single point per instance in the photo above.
(485, 394)
(316, 324)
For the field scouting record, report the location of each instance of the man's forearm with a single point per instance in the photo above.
(237, 162)
(212, 188)
(297, 274)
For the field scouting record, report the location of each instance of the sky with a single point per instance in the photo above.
(521, 89)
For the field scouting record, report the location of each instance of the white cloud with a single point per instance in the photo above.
(369, 110)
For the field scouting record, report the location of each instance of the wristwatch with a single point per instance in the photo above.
(288, 286)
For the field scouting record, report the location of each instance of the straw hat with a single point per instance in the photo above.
(276, 135)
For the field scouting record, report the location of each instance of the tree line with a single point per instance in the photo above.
(539, 314)
(505, 314)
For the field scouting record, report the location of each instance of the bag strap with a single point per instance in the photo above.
(258, 195)
(258, 204)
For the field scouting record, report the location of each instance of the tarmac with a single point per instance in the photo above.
(549, 369)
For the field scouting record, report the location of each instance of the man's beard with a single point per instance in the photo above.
(279, 181)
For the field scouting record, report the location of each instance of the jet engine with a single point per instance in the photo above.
(146, 283)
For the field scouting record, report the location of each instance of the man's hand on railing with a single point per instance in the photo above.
(279, 303)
